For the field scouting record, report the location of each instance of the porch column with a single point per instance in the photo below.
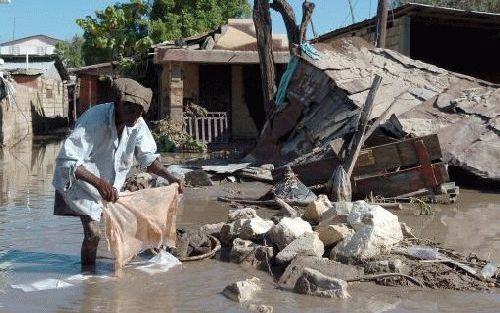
(172, 92)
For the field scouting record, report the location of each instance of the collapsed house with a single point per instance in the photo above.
(416, 100)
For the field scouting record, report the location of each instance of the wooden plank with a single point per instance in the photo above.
(203, 123)
(197, 137)
(425, 163)
(370, 161)
(394, 155)
(396, 183)
(216, 131)
(209, 124)
(226, 129)
(166, 55)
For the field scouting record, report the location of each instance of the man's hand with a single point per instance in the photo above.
(157, 168)
(181, 186)
(107, 191)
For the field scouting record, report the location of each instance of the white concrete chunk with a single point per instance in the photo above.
(306, 245)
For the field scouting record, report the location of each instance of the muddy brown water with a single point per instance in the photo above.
(36, 245)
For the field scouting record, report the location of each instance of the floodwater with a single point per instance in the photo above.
(35, 245)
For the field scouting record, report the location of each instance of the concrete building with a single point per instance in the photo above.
(219, 71)
(31, 62)
(461, 41)
(44, 78)
(37, 46)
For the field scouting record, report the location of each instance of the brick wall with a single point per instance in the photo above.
(15, 119)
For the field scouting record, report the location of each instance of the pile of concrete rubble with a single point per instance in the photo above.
(334, 244)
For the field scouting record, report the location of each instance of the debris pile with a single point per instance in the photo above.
(171, 136)
(422, 117)
(334, 244)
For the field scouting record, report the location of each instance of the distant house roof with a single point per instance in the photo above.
(484, 18)
(47, 69)
(106, 68)
(235, 42)
(47, 39)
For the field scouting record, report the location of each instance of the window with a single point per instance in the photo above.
(48, 93)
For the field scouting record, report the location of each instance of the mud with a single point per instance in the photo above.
(36, 245)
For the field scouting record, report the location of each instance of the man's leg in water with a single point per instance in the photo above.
(92, 235)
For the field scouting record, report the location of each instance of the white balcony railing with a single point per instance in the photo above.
(210, 129)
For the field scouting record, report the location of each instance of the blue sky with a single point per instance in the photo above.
(56, 18)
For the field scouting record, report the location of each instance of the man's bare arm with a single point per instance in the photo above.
(158, 169)
(106, 190)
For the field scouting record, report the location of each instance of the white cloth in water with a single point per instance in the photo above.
(94, 143)
(45, 284)
(140, 220)
(162, 262)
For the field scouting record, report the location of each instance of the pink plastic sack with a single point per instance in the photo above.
(140, 220)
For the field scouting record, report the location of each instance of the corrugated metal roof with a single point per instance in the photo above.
(48, 69)
(417, 8)
(50, 40)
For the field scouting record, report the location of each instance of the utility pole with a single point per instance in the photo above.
(383, 6)
(352, 11)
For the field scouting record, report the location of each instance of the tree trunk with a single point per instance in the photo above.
(292, 30)
(263, 29)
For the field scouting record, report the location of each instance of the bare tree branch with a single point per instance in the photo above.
(307, 11)
(292, 30)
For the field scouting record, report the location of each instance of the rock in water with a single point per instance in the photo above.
(242, 291)
(198, 178)
(325, 266)
(306, 245)
(287, 230)
(314, 283)
(255, 227)
(317, 208)
(377, 231)
(331, 234)
(245, 213)
(212, 229)
(260, 308)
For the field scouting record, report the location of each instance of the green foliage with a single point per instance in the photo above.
(118, 33)
(124, 32)
(164, 144)
(193, 145)
(70, 52)
(171, 19)
(469, 5)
